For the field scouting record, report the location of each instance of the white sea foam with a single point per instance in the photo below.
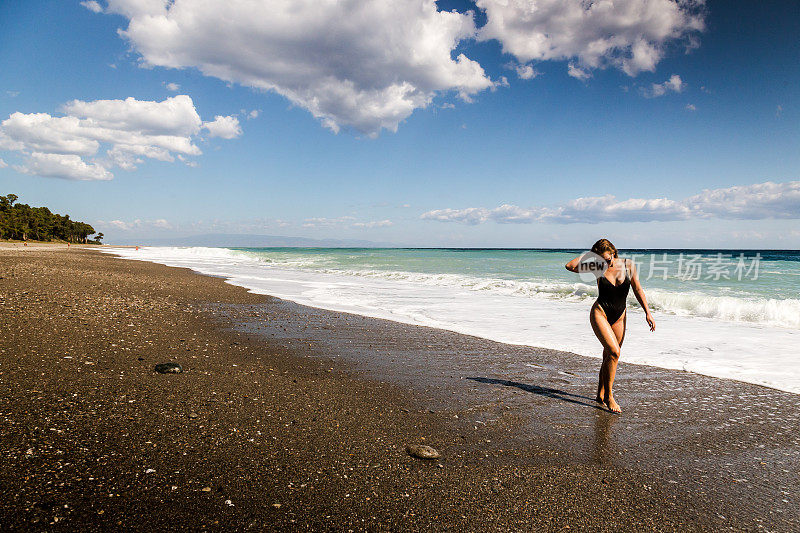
(747, 339)
(765, 311)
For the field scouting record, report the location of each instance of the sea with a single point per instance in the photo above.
(723, 313)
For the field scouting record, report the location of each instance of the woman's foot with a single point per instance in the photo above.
(612, 404)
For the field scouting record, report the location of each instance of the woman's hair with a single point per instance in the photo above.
(604, 245)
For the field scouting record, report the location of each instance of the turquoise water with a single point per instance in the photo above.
(718, 313)
(753, 286)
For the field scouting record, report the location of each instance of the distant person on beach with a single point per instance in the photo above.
(608, 316)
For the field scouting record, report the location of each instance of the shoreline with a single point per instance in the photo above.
(330, 400)
(714, 348)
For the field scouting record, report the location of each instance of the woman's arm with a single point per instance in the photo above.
(639, 293)
(572, 266)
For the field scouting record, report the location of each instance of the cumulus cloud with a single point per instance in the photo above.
(526, 72)
(476, 215)
(152, 226)
(750, 202)
(93, 137)
(225, 127)
(324, 222)
(162, 223)
(366, 65)
(344, 221)
(93, 6)
(120, 224)
(369, 65)
(578, 73)
(673, 85)
(174, 87)
(3, 164)
(66, 166)
(136, 224)
(373, 224)
(628, 34)
(609, 209)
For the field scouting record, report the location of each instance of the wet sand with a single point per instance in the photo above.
(293, 417)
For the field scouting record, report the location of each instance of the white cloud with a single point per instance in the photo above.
(225, 127)
(175, 116)
(750, 202)
(114, 133)
(93, 6)
(470, 215)
(343, 221)
(627, 34)
(174, 87)
(691, 107)
(578, 73)
(134, 224)
(3, 164)
(119, 224)
(366, 65)
(526, 72)
(674, 84)
(609, 209)
(253, 114)
(66, 166)
(162, 223)
(373, 224)
(323, 222)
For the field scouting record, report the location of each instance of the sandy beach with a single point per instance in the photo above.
(293, 417)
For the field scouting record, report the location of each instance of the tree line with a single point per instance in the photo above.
(23, 222)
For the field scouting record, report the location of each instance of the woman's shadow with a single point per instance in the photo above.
(549, 392)
(602, 445)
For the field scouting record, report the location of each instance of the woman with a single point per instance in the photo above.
(608, 314)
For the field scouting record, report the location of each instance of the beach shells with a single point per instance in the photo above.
(422, 451)
(168, 368)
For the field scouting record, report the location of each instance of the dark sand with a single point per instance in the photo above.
(292, 417)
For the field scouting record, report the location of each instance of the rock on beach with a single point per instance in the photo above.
(168, 368)
(422, 451)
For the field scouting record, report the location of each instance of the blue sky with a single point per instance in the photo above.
(713, 105)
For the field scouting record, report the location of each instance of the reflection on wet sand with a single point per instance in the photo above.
(603, 446)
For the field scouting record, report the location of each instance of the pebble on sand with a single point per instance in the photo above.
(168, 368)
(422, 451)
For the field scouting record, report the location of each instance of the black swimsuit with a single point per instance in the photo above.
(612, 297)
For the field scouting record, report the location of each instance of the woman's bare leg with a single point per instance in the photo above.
(619, 333)
(601, 382)
(611, 338)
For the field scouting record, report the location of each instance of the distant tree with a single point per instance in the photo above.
(21, 221)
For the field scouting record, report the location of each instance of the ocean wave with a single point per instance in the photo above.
(783, 313)
(767, 311)
(772, 312)
(715, 334)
